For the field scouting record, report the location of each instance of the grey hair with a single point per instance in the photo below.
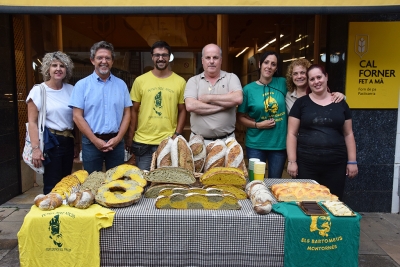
(202, 51)
(56, 56)
(99, 45)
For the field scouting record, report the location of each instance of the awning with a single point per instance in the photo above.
(205, 6)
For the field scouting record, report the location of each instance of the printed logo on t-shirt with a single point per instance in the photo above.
(271, 106)
(158, 104)
(55, 233)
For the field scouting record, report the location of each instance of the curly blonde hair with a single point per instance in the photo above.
(289, 79)
(56, 56)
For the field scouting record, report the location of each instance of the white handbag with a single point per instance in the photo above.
(27, 153)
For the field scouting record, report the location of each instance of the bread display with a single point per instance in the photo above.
(126, 172)
(81, 200)
(234, 155)
(296, 191)
(49, 201)
(68, 185)
(93, 182)
(173, 175)
(119, 193)
(154, 190)
(230, 189)
(216, 155)
(196, 144)
(169, 191)
(260, 197)
(164, 153)
(223, 175)
(198, 201)
(81, 175)
(181, 154)
(338, 208)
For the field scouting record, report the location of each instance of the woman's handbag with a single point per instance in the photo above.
(27, 153)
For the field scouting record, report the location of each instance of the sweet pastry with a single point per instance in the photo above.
(48, 202)
(297, 191)
(337, 208)
(173, 175)
(81, 200)
(223, 175)
(119, 193)
(198, 201)
(260, 197)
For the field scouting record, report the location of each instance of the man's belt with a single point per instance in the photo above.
(106, 136)
(66, 133)
(215, 138)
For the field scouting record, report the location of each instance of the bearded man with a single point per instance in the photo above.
(158, 107)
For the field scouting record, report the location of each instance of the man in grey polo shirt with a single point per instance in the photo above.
(211, 98)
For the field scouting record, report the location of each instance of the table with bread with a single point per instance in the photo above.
(195, 207)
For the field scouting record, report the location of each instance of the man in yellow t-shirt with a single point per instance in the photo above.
(159, 95)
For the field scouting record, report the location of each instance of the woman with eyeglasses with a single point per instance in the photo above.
(56, 70)
(297, 84)
(263, 112)
(320, 139)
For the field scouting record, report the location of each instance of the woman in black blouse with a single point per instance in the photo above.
(320, 140)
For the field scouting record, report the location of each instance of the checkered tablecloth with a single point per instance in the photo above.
(144, 236)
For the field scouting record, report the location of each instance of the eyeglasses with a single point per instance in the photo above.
(161, 55)
(108, 59)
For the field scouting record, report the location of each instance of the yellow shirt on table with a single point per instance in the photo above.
(65, 236)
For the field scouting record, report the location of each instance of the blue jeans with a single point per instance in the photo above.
(60, 165)
(93, 158)
(275, 160)
(143, 154)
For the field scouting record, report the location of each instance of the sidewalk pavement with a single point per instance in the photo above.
(379, 237)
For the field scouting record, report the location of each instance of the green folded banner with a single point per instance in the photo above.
(319, 240)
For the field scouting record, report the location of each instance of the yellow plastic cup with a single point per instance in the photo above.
(259, 170)
(251, 168)
(259, 176)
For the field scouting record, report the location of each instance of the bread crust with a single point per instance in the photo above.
(164, 153)
(216, 156)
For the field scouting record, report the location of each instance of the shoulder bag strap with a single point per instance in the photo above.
(42, 116)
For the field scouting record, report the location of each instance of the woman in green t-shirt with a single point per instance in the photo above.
(263, 112)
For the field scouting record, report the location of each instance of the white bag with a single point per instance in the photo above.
(27, 153)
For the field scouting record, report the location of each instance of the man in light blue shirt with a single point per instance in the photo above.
(101, 110)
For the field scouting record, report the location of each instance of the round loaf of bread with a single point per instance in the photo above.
(119, 193)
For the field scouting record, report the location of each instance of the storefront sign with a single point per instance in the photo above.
(373, 69)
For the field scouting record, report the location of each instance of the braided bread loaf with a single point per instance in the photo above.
(48, 202)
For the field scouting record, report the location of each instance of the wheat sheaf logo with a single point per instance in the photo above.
(361, 44)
